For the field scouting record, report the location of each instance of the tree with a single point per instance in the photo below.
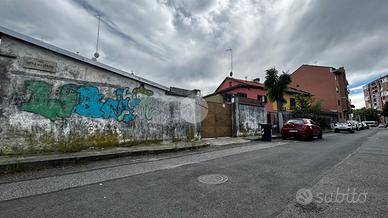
(305, 106)
(384, 112)
(276, 86)
(369, 114)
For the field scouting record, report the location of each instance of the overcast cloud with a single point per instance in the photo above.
(182, 42)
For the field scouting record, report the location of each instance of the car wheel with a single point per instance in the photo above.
(351, 131)
(336, 131)
(320, 136)
(284, 137)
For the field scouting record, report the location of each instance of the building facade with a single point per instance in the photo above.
(251, 92)
(328, 85)
(52, 99)
(253, 89)
(376, 93)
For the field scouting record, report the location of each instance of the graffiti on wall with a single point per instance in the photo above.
(147, 108)
(41, 103)
(88, 101)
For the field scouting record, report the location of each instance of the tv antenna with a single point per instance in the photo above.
(231, 61)
(96, 54)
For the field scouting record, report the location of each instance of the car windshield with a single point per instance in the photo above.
(295, 122)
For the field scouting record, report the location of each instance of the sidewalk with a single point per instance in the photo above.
(15, 163)
(28, 162)
(355, 187)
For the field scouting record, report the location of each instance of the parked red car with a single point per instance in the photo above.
(301, 128)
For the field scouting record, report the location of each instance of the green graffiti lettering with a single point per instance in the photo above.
(142, 90)
(40, 102)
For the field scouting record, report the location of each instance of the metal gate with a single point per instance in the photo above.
(218, 122)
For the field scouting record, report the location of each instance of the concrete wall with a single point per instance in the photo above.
(49, 101)
(247, 118)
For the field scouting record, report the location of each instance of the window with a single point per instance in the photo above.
(337, 90)
(339, 103)
(295, 122)
(262, 98)
(292, 103)
(265, 100)
(340, 115)
(243, 95)
(230, 83)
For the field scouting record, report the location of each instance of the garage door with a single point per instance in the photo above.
(218, 122)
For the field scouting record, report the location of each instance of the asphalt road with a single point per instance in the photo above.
(262, 180)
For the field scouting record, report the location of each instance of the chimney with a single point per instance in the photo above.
(257, 80)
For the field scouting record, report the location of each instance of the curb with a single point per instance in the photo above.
(17, 165)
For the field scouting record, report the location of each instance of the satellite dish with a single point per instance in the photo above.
(96, 55)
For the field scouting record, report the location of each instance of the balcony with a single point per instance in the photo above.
(345, 103)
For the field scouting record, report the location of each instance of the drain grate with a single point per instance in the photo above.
(213, 179)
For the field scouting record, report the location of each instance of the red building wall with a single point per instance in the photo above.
(322, 84)
(250, 92)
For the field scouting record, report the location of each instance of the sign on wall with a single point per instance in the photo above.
(39, 64)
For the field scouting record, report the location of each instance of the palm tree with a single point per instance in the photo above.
(276, 86)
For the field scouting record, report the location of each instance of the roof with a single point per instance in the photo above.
(333, 69)
(182, 92)
(72, 55)
(250, 83)
(381, 77)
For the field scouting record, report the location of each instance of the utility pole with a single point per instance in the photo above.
(231, 61)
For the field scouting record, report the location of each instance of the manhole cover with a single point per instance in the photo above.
(213, 179)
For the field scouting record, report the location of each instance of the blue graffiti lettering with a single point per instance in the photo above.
(120, 109)
(90, 102)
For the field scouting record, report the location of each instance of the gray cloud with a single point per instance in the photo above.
(183, 42)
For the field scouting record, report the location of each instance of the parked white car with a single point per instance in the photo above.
(357, 125)
(348, 127)
(353, 124)
(382, 125)
(365, 126)
(371, 123)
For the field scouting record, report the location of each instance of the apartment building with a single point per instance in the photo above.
(327, 85)
(376, 93)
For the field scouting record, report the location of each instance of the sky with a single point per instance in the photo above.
(182, 43)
